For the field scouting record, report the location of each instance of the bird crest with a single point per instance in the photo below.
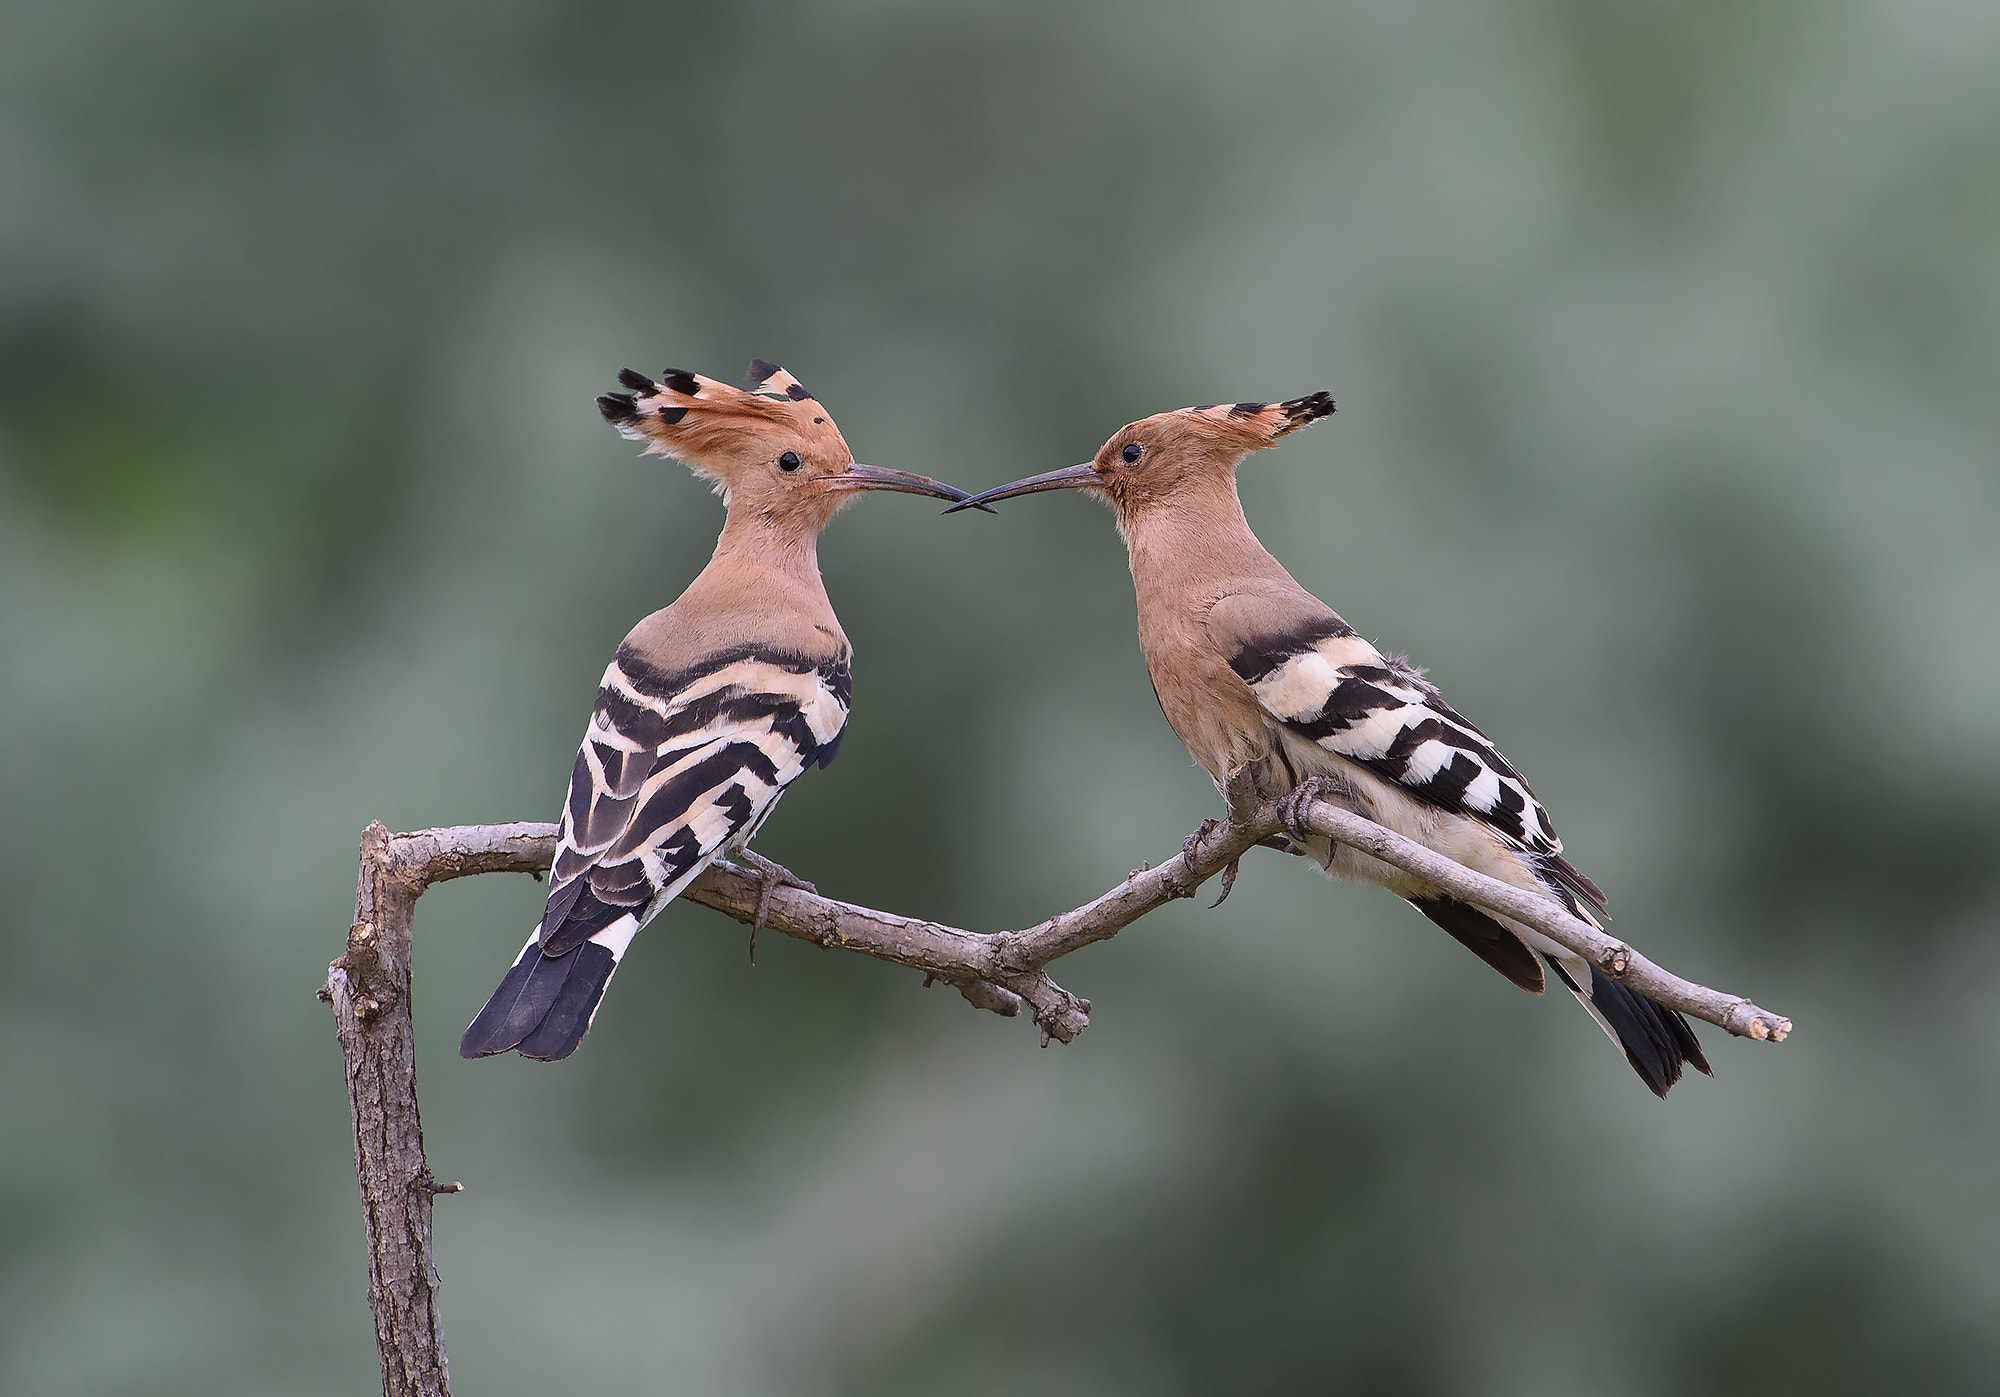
(770, 381)
(1252, 426)
(716, 427)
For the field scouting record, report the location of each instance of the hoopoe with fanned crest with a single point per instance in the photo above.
(710, 708)
(1261, 679)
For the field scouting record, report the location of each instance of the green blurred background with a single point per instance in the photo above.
(1666, 339)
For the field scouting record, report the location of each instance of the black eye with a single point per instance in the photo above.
(789, 461)
(1131, 453)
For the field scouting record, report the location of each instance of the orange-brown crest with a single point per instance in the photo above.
(771, 445)
(1157, 458)
(1152, 459)
(772, 451)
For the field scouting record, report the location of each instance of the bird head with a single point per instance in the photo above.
(1157, 460)
(771, 450)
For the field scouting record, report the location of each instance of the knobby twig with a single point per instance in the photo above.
(369, 988)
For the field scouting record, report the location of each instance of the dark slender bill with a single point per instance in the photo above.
(1068, 478)
(859, 477)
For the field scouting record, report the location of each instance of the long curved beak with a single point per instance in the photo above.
(859, 477)
(1081, 477)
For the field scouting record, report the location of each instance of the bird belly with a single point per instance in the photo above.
(1459, 838)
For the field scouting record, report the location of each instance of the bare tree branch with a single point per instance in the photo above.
(369, 988)
(1545, 915)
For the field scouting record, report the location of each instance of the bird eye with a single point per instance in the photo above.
(1131, 452)
(789, 461)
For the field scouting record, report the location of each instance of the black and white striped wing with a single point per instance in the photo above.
(676, 769)
(1329, 685)
(1325, 683)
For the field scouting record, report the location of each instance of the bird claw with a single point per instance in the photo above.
(771, 875)
(1201, 832)
(1292, 809)
(1228, 882)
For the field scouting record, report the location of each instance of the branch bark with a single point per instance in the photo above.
(1613, 957)
(369, 988)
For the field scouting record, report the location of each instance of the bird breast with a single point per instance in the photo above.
(1211, 710)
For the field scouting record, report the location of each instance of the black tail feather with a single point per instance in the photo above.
(568, 1019)
(518, 1005)
(544, 1005)
(1485, 938)
(573, 918)
(1657, 1040)
(523, 1000)
(1568, 878)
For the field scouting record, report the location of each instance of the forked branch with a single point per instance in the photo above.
(369, 988)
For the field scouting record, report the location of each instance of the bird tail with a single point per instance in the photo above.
(1485, 938)
(1656, 1040)
(546, 1003)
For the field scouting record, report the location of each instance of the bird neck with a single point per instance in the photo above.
(1194, 545)
(782, 551)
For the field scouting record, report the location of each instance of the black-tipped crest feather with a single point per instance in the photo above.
(1304, 411)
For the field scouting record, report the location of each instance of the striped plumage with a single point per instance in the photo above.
(711, 707)
(1327, 685)
(1260, 678)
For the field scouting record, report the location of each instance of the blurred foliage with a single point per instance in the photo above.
(1665, 339)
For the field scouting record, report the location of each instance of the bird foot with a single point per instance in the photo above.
(1292, 809)
(771, 876)
(1201, 832)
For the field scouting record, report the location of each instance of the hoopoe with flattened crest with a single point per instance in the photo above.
(710, 708)
(1261, 679)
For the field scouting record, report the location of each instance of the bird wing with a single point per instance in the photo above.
(1311, 673)
(675, 767)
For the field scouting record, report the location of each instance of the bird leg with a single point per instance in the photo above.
(771, 875)
(1239, 791)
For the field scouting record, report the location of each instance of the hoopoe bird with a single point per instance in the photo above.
(1262, 680)
(711, 706)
